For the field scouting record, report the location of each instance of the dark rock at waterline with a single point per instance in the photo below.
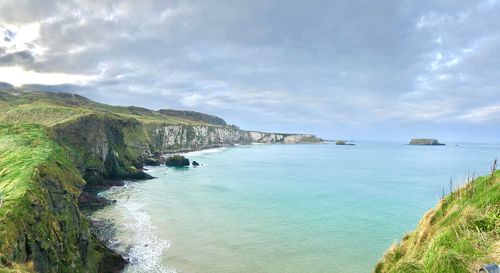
(343, 142)
(88, 200)
(425, 141)
(150, 161)
(195, 163)
(140, 175)
(177, 161)
(112, 262)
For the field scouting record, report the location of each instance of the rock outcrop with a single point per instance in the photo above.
(343, 142)
(177, 161)
(425, 141)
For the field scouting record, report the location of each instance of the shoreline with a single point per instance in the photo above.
(90, 202)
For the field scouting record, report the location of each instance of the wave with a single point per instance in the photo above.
(145, 250)
(145, 254)
(207, 151)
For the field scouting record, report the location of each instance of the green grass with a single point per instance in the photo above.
(54, 108)
(31, 166)
(460, 235)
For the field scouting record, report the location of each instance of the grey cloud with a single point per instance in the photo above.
(21, 58)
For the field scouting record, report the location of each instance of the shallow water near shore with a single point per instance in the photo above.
(285, 208)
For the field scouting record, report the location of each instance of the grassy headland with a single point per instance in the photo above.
(460, 235)
(54, 144)
(40, 225)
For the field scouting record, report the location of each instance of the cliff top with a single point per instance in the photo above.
(461, 234)
(48, 108)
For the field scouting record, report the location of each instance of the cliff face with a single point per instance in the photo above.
(40, 223)
(184, 137)
(103, 146)
(111, 142)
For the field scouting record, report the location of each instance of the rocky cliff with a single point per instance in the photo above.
(171, 138)
(41, 227)
(112, 142)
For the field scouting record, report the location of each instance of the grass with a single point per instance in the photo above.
(32, 166)
(54, 108)
(460, 235)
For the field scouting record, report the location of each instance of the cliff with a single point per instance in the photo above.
(169, 138)
(52, 145)
(41, 227)
(112, 142)
(425, 141)
(461, 234)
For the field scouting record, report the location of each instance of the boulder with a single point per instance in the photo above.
(151, 161)
(195, 163)
(177, 161)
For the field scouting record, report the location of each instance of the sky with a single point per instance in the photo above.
(392, 69)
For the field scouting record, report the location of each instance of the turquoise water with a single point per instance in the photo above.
(285, 208)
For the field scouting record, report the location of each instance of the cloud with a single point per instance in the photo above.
(16, 75)
(344, 66)
(487, 113)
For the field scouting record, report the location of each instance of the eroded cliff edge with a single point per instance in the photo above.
(41, 227)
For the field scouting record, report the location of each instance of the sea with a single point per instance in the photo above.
(314, 208)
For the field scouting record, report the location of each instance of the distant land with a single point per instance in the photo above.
(425, 141)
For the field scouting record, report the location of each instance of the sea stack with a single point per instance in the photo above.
(343, 142)
(425, 141)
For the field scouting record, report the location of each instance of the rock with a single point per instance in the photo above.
(177, 161)
(140, 175)
(195, 163)
(425, 141)
(343, 142)
(150, 161)
(88, 200)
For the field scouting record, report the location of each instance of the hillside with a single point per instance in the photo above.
(112, 142)
(460, 235)
(50, 108)
(41, 227)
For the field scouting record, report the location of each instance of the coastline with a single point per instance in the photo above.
(169, 256)
(91, 202)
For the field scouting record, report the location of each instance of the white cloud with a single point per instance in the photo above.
(18, 76)
(481, 114)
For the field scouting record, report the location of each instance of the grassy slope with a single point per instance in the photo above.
(459, 235)
(39, 186)
(54, 108)
(81, 125)
(23, 150)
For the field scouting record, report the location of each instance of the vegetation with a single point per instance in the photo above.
(41, 228)
(53, 108)
(460, 235)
